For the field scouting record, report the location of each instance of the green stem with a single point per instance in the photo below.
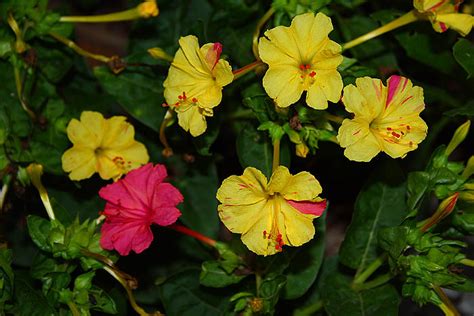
(361, 276)
(467, 262)
(19, 91)
(258, 283)
(333, 118)
(79, 50)
(256, 34)
(405, 19)
(446, 306)
(310, 309)
(73, 308)
(131, 298)
(276, 154)
(384, 278)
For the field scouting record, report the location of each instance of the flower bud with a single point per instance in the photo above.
(458, 137)
(148, 8)
(302, 150)
(158, 53)
(469, 170)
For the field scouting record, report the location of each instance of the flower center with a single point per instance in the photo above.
(183, 100)
(395, 134)
(274, 237)
(307, 75)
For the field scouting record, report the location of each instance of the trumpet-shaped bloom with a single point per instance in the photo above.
(443, 14)
(300, 58)
(106, 146)
(385, 118)
(194, 83)
(271, 214)
(133, 204)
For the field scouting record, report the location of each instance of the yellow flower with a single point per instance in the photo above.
(443, 14)
(194, 83)
(300, 58)
(386, 118)
(270, 215)
(106, 146)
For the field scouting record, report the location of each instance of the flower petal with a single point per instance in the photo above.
(80, 162)
(330, 82)
(364, 149)
(316, 98)
(246, 189)
(240, 218)
(163, 203)
(192, 119)
(352, 131)
(459, 22)
(283, 84)
(315, 208)
(254, 238)
(125, 237)
(299, 227)
(310, 33)
(118, 133)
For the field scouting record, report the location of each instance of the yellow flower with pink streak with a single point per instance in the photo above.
(386, 119)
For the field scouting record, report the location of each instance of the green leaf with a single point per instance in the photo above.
(199, 185)
(340, 299)
(204, 142)
(270, 290)
(6, 276)
(103, 301)
(140, 92)
(464, 110)
(28, 301)
(305, 263)
(393, 240)
(463, 52)
(379, 204)
(418, 185)
(181, 295)
(39, 229)
(254, 149)
(423, 48)
(213, 275)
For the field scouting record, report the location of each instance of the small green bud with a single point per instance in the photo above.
(458, 137)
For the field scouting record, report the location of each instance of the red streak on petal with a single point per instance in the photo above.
(443, 27)
(312, 74)
(356, 133)
(307, 207)
(393, 83)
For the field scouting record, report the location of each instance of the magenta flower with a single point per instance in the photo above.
(133, 204)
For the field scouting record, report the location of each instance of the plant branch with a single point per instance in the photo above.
(256, 34)
(361, 276)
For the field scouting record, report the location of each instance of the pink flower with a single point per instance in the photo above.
(133, 204)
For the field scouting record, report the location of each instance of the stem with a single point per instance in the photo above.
(3, 192)
(360, 277)
(446, 306)
(258, 283)
(167, 151)
(310, 309)
(405, 19)
(79, 50)
(384, 278)
(73, 308)
(187, 231)
(333, 118)
(467, 262)
(276, 155)
(145, 10)
(245, 69)
(256, 34)
(131, 298)
(19, 91)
